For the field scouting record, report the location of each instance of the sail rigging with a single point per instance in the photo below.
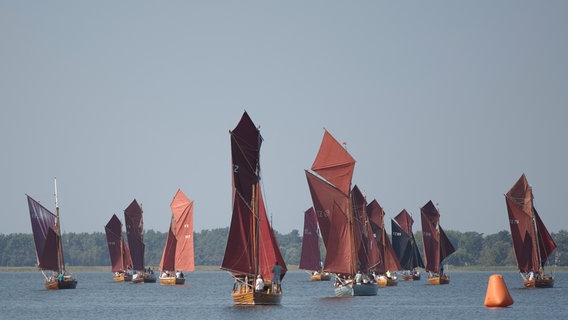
(134, 233)
(403, 241)
(436, 244)
(119, 253)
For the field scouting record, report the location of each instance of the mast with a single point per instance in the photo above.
(61, 265)
(535, 230)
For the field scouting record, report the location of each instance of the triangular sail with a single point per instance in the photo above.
(178, 252)
(403, 242)
(119, 253)
(268, 249)
(310, 258)
(531, 241)
(334, 163)
(387, 257)
(436, 244)
(46, 236)
(368, 251)
(134, 233)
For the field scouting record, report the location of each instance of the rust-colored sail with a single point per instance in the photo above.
(251, 248)
(335, 221)
(334, 163)
(119, 253)
(310, 259)
(387, 256)
(436, 244)
(368, 252)
(178, 252)
(134, 233)
(46, 236)
(532, 242)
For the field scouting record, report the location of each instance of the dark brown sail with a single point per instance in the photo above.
(134, 233)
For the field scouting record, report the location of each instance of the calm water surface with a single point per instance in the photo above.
(206, 296)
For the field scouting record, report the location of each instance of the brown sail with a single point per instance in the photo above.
(119, 254)
(134, 233)
(532, 242)
(388, 260)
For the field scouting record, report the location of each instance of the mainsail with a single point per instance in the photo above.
(251, 248)
(368, 254)
(119, 253)
(179, 252)
(403, 241)
(47, 237)
(387, 256)
(436, 244)
(532, 242)
(134, 233)
(310, 258)
(332, 203)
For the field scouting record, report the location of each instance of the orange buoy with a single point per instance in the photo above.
(497, 293)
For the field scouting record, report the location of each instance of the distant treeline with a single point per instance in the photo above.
(90, 249)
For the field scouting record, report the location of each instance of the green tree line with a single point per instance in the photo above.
(90, 249)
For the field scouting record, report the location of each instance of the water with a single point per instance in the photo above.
(206, 296)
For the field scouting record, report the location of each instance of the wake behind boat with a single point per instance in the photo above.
(252, 255)
(532, 242)
(49, 249)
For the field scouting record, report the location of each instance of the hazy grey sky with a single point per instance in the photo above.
(449, 101)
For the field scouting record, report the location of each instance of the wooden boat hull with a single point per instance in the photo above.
(149, 277)
(137, 278)
(439, 280)
(256, 298)
(365, 289)
(386, 282)
(180, 280)
(121, 277)
(170, 281)
(544, 282)
(320, 276)
(67, 283)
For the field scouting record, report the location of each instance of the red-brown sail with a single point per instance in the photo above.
(310, 259)
(334, 218)
(403, 242)
(46, 236)
(251, 248)
(387, 256)
(179, 252)
(119, 254)
(436, 244)
(134, 233)
(532, 242)
(334, 163)
(367, 250)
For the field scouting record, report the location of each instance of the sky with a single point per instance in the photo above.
(449, 101)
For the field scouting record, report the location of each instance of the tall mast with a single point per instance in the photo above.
(535, 238)
(58, 227)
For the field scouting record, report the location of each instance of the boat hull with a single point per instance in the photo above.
(149, 277)
(544, 282)
(386, 282)
(439, 280)
(256, 298)
(365, 289)
(121, 277)
(67, 283)
(320, 276)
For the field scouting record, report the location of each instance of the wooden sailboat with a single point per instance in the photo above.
(405, 247)
(387, 257)
(310, 259)
(436, 244)
(532, 242)
(178, 255)
(134, 233)
(252, 251)
(49, 249)
(121, 262)
(340, 226)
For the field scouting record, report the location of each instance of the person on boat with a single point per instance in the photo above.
(259, 284)
(276, 271)
(358, 277)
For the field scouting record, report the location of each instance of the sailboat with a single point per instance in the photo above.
(340, 226)
(134, 233)
(121, 262)
(252, 251)
(532, 242)
(178, 253)
(405, 247)
(310, 259)
(437, 246)
(49, 249)
(388, 259)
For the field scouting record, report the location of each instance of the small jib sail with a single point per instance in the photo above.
(178, 255)
(252, 250)
(340, 228)
(49, 249)
(404, 245)
(120, 259)
(532, 242)
(388, 259)
(437, 246)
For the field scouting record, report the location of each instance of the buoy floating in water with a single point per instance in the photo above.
(497, 293)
